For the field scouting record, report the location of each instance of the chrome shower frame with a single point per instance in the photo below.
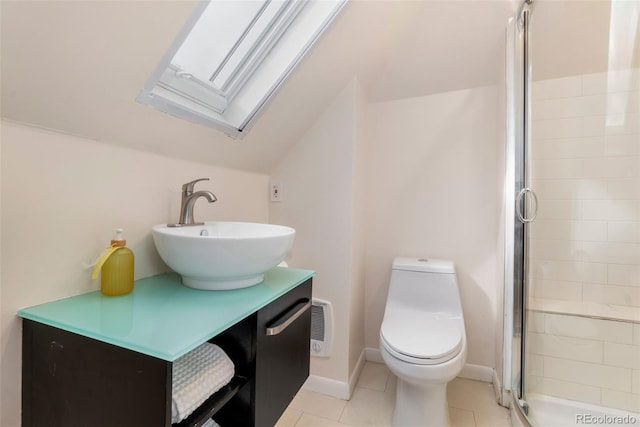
(516, 210)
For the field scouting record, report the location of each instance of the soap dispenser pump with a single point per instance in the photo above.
(116, 264)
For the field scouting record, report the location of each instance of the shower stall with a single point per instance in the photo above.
(572, 273)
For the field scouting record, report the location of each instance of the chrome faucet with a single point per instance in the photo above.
(189, 200)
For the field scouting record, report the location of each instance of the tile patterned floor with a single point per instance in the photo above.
(471, 404)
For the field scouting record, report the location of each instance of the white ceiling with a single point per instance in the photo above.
(77, 67)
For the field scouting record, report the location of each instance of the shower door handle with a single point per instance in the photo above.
(519, 198)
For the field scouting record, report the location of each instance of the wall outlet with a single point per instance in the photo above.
(276, 192)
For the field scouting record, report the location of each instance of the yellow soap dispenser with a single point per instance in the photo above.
(116, 264)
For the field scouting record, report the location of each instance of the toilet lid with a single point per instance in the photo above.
(422, 335)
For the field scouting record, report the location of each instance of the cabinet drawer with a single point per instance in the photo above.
(282, 356)
(72, 381)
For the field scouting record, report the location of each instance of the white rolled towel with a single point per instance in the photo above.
(210, 423)
(196, 376)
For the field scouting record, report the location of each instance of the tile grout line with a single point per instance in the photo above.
(345, 407)
(487, 412)
(475, 422)
(298, 419)
(386, 381)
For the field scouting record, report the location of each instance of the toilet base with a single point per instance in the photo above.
(420, 406)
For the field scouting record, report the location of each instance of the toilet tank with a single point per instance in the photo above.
(424, 284)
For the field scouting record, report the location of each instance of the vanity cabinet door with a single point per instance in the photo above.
(72, 381)
(282, 356)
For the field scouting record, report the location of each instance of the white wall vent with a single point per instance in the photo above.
(321, 328)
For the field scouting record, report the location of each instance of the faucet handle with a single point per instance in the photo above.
(188, 187)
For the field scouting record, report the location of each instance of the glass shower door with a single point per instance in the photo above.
(581, 255)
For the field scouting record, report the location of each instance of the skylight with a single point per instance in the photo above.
(232, 56)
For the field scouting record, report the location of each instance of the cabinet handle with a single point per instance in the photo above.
(289, 317)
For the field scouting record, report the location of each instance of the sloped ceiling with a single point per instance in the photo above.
(77, 67)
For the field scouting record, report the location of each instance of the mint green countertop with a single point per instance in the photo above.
(161, 317)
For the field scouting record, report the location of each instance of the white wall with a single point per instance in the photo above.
(358, 242)
(317, 178)
(414, 177)
(62, 196)
(367, 182)
(432, 189)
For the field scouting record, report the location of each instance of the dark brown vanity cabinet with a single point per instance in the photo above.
(282, 353)
(69, 380)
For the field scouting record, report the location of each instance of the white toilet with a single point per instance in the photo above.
(422, 339)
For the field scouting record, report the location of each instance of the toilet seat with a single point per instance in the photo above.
(421, 338)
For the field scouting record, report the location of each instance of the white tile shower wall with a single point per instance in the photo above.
(586, 240)
(586, 172)
(589, 360)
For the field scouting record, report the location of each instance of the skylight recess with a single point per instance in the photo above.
(232, 56)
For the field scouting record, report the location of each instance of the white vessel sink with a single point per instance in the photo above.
(223, 255)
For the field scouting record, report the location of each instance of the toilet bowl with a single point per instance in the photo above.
(422, 339)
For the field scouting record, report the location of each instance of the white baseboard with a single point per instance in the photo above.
(338, 389)
(343, 390)
(477, 372)
(353, 379)
(373, 355)
(334, 388)
(471, 372)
